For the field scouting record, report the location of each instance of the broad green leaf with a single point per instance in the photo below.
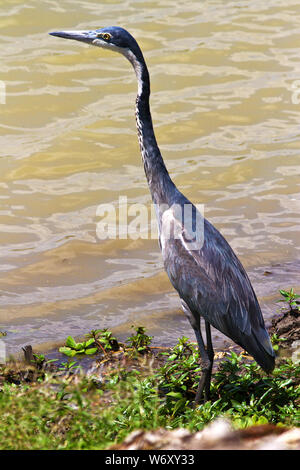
(70, 342)
(174, 394)
(89, 342)
(67, 351)
(91, 351)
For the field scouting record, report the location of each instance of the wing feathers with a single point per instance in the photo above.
(214, 284)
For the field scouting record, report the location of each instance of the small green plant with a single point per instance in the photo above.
(72, 348)
(93, 334)
(104, 339)
(68, 365)
(291, 299)
(39, 360)
(275, 340)
(178, 377)
(139, 341)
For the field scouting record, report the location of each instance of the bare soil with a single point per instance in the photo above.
(287, 327)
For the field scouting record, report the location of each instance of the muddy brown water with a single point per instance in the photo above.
(225, 104)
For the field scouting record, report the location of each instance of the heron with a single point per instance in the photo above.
(204, 270)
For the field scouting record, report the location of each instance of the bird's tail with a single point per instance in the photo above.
(259, 346)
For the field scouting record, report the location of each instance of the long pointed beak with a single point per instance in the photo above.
(83, 36)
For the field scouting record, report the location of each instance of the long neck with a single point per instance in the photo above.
(161, 186)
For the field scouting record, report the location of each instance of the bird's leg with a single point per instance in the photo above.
(204, 382)
(207, 355)
(210, 353)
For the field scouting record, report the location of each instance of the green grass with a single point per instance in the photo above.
(72, 411)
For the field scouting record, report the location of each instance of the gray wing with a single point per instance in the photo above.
(214, 284)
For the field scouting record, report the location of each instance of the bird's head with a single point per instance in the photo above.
(113, 38)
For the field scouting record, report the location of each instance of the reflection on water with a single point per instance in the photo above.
(223, 75)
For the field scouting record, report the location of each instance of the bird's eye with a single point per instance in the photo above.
(105, 36)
